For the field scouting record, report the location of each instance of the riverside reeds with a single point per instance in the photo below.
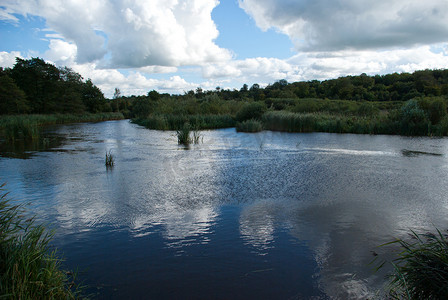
(249, 126)
(29, 267)
(110, 160)
(421, 269)
(28, 126)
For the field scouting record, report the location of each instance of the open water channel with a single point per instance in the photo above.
(263, 216)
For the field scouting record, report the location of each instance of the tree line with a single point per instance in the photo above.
(37, 87)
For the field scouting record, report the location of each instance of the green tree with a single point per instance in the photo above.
(93, 98)
(12, 98)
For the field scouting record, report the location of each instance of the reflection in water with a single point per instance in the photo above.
(257, 226)
(268, 215)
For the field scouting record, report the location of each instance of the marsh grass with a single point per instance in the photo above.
(249, 126)
(421, 269)
(183, 135)
(110, 160)
(176, 122)
(29, 268)
(27, 127)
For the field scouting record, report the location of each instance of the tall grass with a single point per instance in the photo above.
(176, 122)
(29, 267)
(421, 269)
(110, 160)
(28, 126)
(249, 126)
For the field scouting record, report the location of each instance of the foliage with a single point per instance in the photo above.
(413, 119)
(29, 268)
(250, 111)
(12, 99)
(421, 269)
(48, 89)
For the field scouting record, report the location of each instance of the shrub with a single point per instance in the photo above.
(251, 111)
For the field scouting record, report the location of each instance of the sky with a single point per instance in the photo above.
(174, 46)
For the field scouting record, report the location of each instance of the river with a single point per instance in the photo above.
(266, 215)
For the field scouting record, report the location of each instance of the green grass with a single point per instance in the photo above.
(249, 126)
(421, 269)
(29, 267)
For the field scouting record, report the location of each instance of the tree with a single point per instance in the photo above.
(93, 98)
(117, 93)
(12, 98)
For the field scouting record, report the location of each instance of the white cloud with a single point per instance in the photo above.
(131, 34)
(8, 59)
(324, 25)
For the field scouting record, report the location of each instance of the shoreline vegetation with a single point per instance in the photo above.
(420, 270)
(30, 268)
(27, 127)
(413, 104)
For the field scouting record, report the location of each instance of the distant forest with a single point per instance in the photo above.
(407, 103)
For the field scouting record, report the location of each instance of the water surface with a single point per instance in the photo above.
(266, 215)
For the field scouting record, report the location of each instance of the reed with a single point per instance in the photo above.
(421, 269)
(183, 135)
(25, 127)
(110, 160)
(176, 122)
(249, 126)
(30, 268)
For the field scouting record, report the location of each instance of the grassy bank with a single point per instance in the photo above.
(29, 268)
(27, 126)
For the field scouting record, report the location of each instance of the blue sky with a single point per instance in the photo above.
(178, 45)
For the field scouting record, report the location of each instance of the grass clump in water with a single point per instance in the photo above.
(29, 269)
(249, 126)
(421, 269)
(184, 135)
(110, 160)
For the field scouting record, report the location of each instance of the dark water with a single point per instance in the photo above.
(267, 215)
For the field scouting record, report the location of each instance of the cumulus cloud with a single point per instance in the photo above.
(130, 34)
(326, 25)
(326, 65)
(8, 59)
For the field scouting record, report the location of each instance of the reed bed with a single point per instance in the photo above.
(29, 268)
(176, 122)
(15, 127)
(249, 126)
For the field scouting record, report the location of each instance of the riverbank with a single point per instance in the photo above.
(27, 126)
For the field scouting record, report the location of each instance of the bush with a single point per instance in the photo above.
(251, 111)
